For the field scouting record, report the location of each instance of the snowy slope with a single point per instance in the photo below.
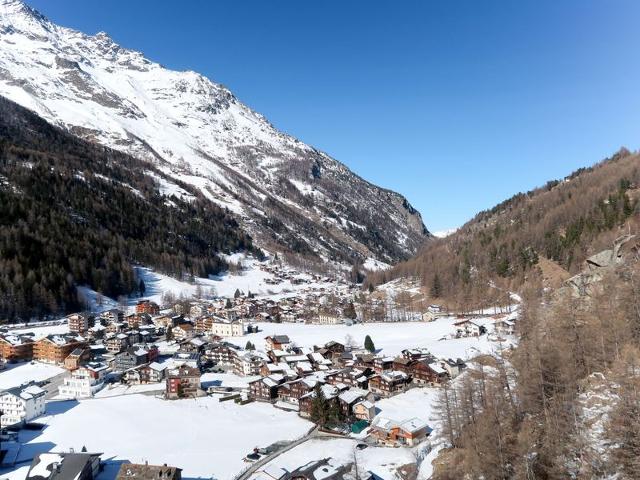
(283, 191)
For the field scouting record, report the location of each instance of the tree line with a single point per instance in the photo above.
(74, 213)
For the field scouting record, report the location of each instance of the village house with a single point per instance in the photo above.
(277, 342)
(16, 348)
(190, 359)
(83, 382)
(227, 328)
(347, 400)
(136, 471)
(383, 364)
(117, 342)
(147, 306)
(393, 433)
(505, 327)
(467, 328)
(305, 402)
(364, 410)
(152, 373)
(452, 367)
(433, 312)
(325, 318)
(221, 354)
(77, 358)
(137, 320)
(55, 348)
(291, 392)
(64, 466)
(265, 388)
(130, 358)
(21, 404)
(183, 382)
(428, 373)
(247, 364)
(78, 323)
(389, 383)
(183, 331)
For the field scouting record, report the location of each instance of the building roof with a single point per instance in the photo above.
(59, 466)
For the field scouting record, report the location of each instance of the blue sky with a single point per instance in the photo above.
(457, 104)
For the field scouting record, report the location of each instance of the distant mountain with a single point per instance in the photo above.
(546, 233)
(288, 195)
(76, 213)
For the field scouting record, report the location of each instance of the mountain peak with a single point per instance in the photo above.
(17, 15)
(287, 194)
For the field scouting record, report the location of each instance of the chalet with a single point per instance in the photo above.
(64, 466)
(130, 358)
(292, 391)
(77, 358)
(247, 364)
(16, 348)
(364, 410)
(505, 327)
(78, 323)
(147, 306)
(55, 348)
(183, 331)
(136, 471)
(389, 383)
(383, 364)
(183, 382)
(265, 388)
(221, 354)
(137, 320)
(351, 377)
(117, 342)
(348, 399)
(393, 433)
(21, 404)
(428, 373)
(453, 367)
(417, 354)
(467, 328)
(305, 402)
(152, 373)
(277, 342)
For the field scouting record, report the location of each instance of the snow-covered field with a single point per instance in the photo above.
(251, 278)
(206, 438)
(390, 338)
(16, 375)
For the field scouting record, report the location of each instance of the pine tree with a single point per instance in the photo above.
(169, 334)
(237, 293)
(368, 344)
(142, 287)
(228, 305)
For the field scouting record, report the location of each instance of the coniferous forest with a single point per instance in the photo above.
(75, 213)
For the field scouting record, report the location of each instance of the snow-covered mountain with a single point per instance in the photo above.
(285, 193)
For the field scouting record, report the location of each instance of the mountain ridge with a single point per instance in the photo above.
(286, 194)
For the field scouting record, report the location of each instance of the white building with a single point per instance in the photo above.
(83, 382)
(21, 404)
(329, 319)
(233, 328)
